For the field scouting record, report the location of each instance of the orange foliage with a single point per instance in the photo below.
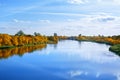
(8, 40)
(101, 39)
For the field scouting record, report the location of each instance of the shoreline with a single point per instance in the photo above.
(8, 47)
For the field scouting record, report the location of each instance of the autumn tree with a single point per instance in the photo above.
(14, 40)
(6, 40)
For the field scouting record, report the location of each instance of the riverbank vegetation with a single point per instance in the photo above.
(114, 41)
(115, 48)
(22, 39)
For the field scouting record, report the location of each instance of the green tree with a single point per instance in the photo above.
(37, 34)
(20, 33)
(55, 34)
(80, 35)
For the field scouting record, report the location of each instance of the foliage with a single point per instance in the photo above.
(115, 48)
(112, 40)
(53, 39)
(37, 34)
(21, 39)
(20, 33)
(55, 34)
(101, 39)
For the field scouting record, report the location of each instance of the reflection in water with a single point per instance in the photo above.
(5, 53)
(75, 73)
(55, 46)
(68, 60)
(90, 51)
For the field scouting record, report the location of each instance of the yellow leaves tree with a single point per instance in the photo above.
(15, 40)
(6, 40)
(0, 40)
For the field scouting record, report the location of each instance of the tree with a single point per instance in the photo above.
(6, 40)
(20, 33)
(80, 35)
(15, 40)
(37, 34)
(55, 34)
(55, 38)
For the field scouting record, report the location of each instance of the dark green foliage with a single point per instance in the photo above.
(80, 35)
(116, 37)
(115, 48)
(20, 33)
(55, 34)
(53, 39)
(37, 34)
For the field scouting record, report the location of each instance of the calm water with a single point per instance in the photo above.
(68, 60)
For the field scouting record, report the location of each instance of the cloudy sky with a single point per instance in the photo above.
(65, 17)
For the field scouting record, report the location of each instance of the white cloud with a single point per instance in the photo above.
(60, 13)
(44, 21)
(77, 1)
(20, 21)
(15, 20)
(118, 76)
(90, 24)
(111, 2)
(117, 1)
(103, 18)
(25, 21)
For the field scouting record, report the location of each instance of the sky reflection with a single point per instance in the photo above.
(68, 60)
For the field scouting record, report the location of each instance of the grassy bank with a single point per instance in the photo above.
(113, 41)
(27, 45)
(33, 44)
(115, 48)
(6, 47)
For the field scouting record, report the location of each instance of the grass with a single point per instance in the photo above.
(51, 42)
(6, 47)
(115, 48)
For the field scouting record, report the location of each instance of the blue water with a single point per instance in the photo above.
(67, 60)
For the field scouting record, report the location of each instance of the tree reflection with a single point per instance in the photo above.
(6, 53)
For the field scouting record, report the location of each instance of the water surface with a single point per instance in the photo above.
(67, 60)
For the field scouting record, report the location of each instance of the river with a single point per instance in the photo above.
(67, 60)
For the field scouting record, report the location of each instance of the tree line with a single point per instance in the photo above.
(101, 39)
(21, 39)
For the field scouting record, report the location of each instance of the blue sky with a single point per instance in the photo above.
(65, 17)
